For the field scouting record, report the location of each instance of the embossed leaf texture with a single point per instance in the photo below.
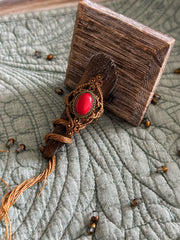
(109, 163)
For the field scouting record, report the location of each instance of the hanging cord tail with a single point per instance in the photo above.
(11, 197)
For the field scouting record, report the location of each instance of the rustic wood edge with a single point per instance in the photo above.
(158, 78)
(128, 20)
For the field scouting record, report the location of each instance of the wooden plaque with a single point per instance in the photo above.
(139, 52)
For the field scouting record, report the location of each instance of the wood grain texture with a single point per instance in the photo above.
(139, 52)
(8, 7)
(98, 64)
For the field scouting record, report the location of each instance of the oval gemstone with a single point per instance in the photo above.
(84, 103)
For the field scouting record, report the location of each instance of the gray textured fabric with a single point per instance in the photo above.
(109, 163)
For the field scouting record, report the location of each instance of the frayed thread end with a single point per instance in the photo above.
(11, 197)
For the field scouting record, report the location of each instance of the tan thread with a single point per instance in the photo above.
(11, 197)
(2, 180)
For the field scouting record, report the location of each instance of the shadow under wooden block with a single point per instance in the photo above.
(139, 52)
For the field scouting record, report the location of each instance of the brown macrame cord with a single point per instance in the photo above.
(11, 197)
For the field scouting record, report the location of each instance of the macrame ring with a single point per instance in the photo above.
(90, 99)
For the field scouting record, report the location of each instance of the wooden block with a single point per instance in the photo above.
(139, 52)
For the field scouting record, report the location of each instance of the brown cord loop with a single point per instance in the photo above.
(57, 137)
(11, 197)
(60, 121)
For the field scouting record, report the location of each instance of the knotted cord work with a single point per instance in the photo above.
(76, 121)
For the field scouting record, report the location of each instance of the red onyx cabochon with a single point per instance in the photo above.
(84, 103)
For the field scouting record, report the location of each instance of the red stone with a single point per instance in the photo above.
(84, 103)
